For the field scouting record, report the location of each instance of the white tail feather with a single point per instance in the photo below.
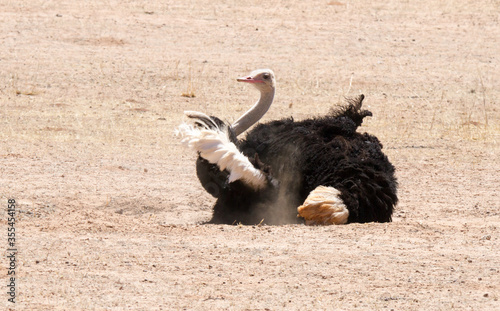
(214, 146)
(323, 206)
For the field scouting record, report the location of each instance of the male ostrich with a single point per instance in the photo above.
(318, 170)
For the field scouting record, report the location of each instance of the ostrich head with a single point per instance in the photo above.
(265, 81)
(262, 79)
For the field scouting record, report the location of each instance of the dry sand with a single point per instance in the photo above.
(109, 206)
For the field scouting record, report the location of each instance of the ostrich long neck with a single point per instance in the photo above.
(255, 113)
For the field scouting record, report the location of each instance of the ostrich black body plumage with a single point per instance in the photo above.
(298, 156)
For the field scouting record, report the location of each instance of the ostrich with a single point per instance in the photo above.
(319, 171)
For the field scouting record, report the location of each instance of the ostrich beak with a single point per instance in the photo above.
(249, 79)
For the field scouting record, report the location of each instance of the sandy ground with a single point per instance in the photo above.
(109, 207)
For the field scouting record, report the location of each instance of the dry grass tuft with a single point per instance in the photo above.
(139, 109)
(190, 88)
(31, 92)
(189, 94)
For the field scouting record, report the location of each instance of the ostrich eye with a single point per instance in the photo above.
(266, 76)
